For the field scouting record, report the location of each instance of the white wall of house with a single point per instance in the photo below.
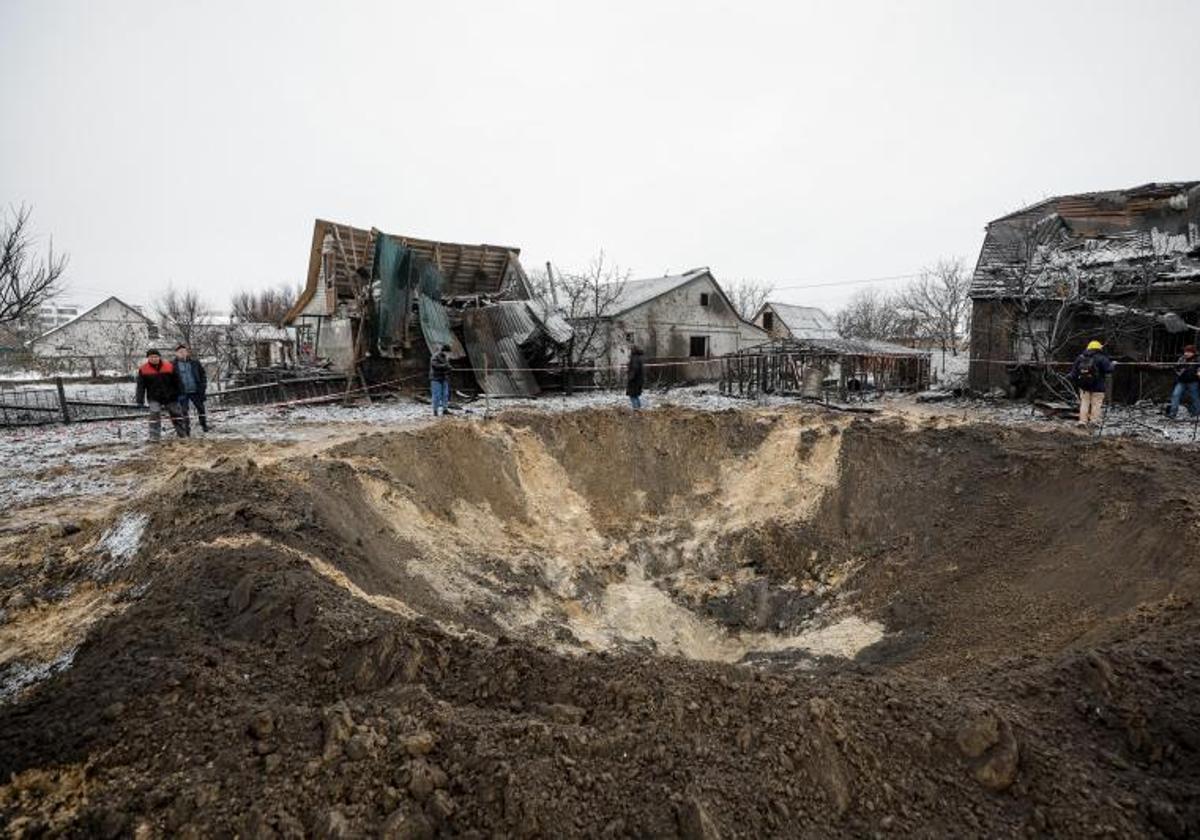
(325, 332)
(112, 337)
(693, 321)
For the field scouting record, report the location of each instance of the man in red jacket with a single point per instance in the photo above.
(158, 385)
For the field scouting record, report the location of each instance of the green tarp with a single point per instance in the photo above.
(402, 276)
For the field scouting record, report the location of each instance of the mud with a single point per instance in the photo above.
(679, 623)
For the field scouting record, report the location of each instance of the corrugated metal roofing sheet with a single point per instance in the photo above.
(494, 335)
(551, 321)
(435, 326)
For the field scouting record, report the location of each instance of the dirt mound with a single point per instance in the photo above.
(667, 624)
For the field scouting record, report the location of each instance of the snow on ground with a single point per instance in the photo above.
(1144, 420)
(48, 462)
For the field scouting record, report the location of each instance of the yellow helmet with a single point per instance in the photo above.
(1094, 345)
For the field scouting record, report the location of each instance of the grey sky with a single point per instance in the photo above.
(790, 142)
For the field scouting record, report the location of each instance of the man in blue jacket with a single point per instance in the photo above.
(1187, 381)
(1090, 373)
(193, 382)
(439, 380)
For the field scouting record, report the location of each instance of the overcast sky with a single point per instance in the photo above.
(796, 143)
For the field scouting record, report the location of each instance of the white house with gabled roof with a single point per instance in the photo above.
(111, 336)
(683, 321)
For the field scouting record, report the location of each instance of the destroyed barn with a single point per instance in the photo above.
(807, 357)
(376, 306)
(1122, 267)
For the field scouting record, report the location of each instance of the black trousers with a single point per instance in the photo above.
(198, 401)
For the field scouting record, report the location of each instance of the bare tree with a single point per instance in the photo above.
(267, 306)
(748, 296)
(871, 314)
(937, 304)
(186, 319)
(586, 298)
(26, 281)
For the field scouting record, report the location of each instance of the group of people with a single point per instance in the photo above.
(174, 387)
(1089, 374)
(1092, 368)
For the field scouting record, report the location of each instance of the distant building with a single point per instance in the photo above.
(1122, 267)
(786, 320)
(54, 314)
(111, 336)
(684, 318)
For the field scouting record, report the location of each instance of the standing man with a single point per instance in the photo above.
(158, 385)
(1187, 381)
(1089, 373)
(636, 378)
(193, 385)
(439, 379)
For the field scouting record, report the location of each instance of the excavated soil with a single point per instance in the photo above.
(678, 623)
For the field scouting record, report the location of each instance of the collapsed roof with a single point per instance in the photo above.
(1101, 243)
(480, 290)
(340, 252)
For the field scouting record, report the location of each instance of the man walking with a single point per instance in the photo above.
(193, 385)
(158, 385)
(636, 378)
(439, 379)
(1187, 382)
(1089, 373)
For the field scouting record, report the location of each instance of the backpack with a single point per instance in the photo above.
(1089, 370)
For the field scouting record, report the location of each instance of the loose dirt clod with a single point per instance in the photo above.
(747, 623)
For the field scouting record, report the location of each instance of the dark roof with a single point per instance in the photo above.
(1104, 241)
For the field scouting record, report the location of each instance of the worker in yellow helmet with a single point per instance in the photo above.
(1090, 373)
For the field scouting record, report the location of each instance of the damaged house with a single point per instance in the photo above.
(1121, 266)
(374, 304)
(681, 322)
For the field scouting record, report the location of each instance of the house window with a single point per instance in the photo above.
(699, 347)
(704, 298)
(629, 338)
(768, 321)
(152, 332)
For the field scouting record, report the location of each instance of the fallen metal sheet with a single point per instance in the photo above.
(551, 321)
(435, 326)
(494, 335)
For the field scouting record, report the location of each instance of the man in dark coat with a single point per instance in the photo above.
(158, 386)
(1089, 373)
(193, 385)
(636, 378)
(1187, 382)
(439, 380)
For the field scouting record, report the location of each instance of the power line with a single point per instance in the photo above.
(849, 282)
